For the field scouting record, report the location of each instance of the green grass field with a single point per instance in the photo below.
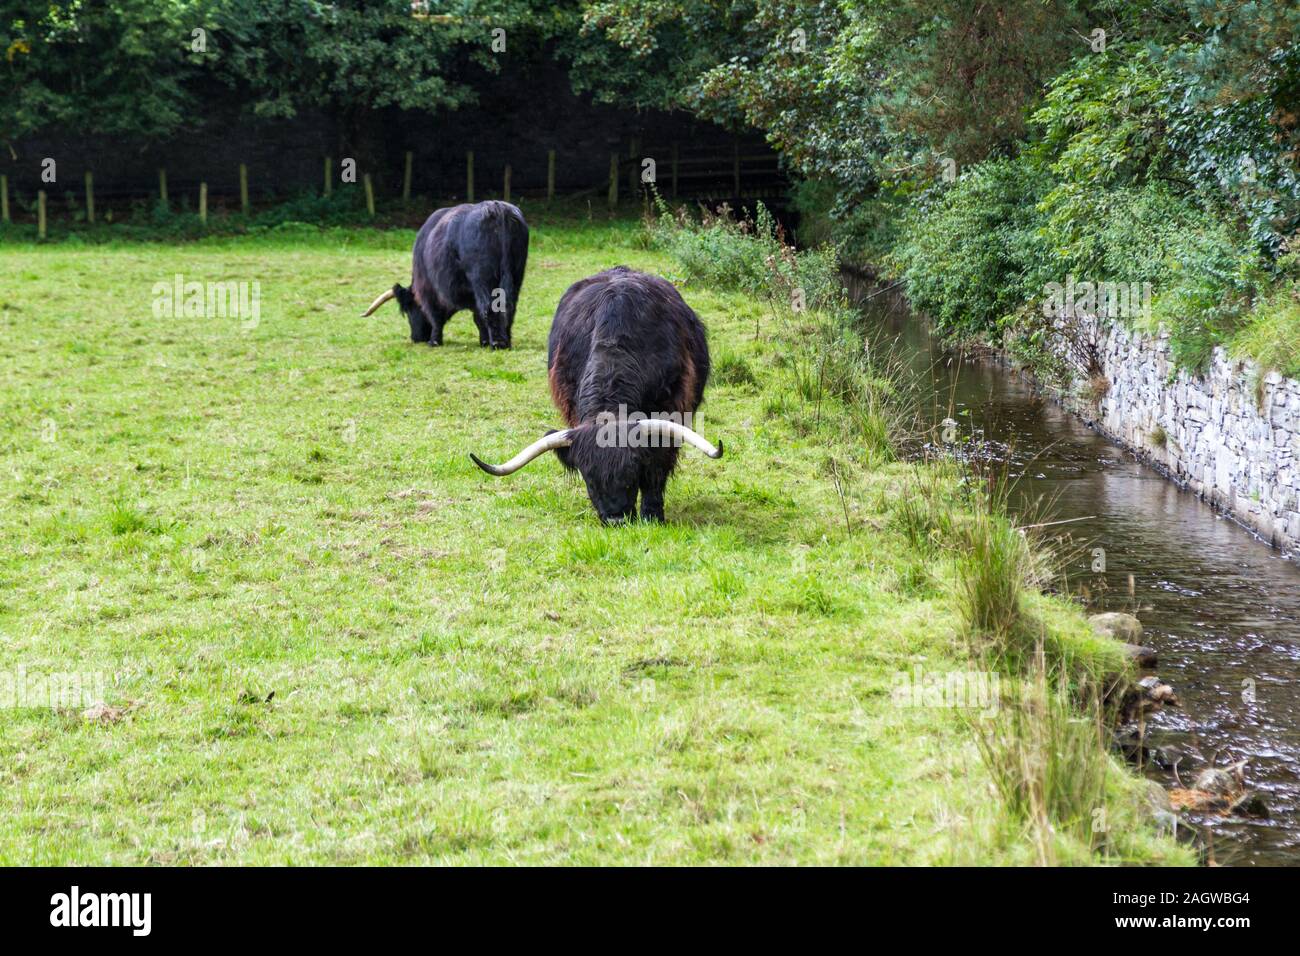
(328, 638)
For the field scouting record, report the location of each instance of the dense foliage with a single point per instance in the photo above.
(119, 68)
(1127, 174)
(973, 252)
(156, 69)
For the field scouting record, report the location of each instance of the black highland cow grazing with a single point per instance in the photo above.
(466, 257)
(628, 364)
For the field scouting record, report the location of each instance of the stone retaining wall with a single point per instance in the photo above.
(1226, 434)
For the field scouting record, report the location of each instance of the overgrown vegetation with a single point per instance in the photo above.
(1110, 189)
(1046, 752)
(1110, 141)
(835, 380)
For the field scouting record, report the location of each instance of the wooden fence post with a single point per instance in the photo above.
(506, 190)
(469, 175)
(4, 198)
(550, 175)
(162, 187)
(90, 197)
(370, 196)
(40, 214)
(329, 177)
(203, 203)
(613, 180)
(243, 188)
(735, 159)
(406, 177)
(674, 170)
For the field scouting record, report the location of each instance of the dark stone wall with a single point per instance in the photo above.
(281, 157)
(519, 117)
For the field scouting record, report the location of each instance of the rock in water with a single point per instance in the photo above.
(1123, 627)
(1144, 656)
(1217, 781)
(1157, 691)
(1161, 808)
(1158, 796)
(1170, 757)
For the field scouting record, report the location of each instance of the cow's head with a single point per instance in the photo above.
(610, 469)
(421, 329)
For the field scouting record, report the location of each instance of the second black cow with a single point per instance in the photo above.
(472, 257)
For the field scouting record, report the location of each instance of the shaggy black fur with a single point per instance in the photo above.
(462, 255)
(624, 338)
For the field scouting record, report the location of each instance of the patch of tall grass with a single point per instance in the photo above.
(1272, 337)
(1045, 751)
(750, 254)
(958, 508)
(833, 384)
(927, 508)
(993, 571)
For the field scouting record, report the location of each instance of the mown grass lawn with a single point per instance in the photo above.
(463, 669)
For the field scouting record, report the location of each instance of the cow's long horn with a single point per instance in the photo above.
(544, 444)
(665, 426)
(377, 303)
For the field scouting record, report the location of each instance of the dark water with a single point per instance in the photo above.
(1221, 607)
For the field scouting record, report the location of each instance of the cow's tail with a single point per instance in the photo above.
(507, 277)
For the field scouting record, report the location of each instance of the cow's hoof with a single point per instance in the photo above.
(434, 345)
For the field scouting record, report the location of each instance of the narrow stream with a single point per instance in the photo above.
(1220, 607)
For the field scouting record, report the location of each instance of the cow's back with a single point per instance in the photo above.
(626, 338)
(469, 247)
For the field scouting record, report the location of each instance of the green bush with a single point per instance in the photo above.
(973, 253)
(1123, 207)
(863, 229)
(1099, 196)
(751, 255)
(1202, 272)
(835, 382)
(1272, 335)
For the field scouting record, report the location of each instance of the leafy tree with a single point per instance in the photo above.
(651, 53)
(348, 58)
(138, 67)
(972, 253)
(119, 68)
(1235, 116)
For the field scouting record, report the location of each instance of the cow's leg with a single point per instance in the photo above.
(436, 322)
(484, 338)
(508, 323)
(493, 322)
(654, 478)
